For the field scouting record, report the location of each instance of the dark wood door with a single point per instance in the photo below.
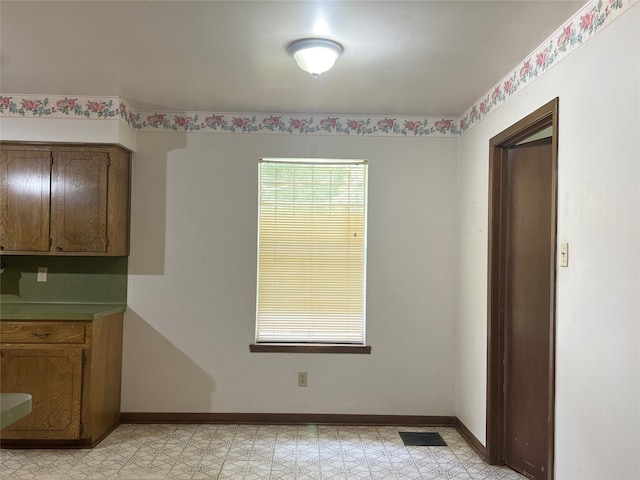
(79, 201)
(528, 307)
(25, 183)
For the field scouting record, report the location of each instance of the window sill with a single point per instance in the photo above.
(308, 348)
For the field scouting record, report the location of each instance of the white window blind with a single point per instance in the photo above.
(311, 251)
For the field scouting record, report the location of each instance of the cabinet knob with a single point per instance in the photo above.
(58, 249)
(41, 335)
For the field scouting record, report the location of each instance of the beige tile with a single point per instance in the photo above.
(255, 452)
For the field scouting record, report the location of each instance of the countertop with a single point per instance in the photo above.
(58, 311)
(13, 406)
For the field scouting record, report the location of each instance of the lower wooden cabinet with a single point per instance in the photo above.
(72, 369)
(53, 377)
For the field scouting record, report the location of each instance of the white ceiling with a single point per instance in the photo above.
(401, 58)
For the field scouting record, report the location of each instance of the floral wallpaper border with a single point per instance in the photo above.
(583, 26)
(117, 108)
(592, 18)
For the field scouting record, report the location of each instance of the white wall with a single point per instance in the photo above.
(192, 281)
(598, 295)
(27, 129)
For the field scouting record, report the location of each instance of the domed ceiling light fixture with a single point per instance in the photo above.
(315, 55)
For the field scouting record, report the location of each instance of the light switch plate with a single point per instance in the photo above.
(564, 254)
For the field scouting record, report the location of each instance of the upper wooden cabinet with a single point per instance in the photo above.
(64, 200)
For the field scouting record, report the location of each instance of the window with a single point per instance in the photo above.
(311, 251)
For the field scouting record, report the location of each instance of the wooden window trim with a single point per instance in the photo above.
(306, 348)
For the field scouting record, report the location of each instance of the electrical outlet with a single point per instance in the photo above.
(42, 274)
(302, 379)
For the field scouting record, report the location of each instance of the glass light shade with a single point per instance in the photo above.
(315, 55)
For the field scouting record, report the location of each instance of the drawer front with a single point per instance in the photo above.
(42, 332)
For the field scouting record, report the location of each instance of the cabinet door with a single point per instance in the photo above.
(79, 201)
(25, 183)
(53, 377)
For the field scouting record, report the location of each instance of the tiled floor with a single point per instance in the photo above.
(255, 452)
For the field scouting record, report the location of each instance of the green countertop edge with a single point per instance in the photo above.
(13, 406)
(58, 311)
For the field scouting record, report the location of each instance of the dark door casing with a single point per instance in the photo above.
(521, 296)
